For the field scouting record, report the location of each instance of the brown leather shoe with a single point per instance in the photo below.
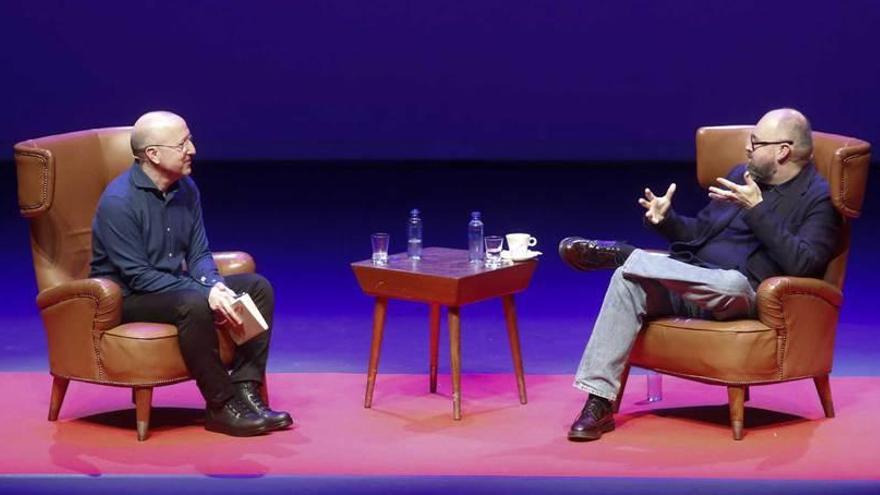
(595, 419)
(586, 254)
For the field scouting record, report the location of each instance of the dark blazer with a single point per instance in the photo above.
(797, 233)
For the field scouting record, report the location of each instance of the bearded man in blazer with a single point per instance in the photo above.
(771, 216)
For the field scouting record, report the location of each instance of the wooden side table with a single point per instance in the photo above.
(443, 277)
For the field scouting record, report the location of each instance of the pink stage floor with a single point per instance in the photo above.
(411, 432)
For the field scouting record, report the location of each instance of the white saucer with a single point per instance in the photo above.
(522, 257)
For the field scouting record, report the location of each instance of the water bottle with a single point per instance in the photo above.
(475, 238)
(414, 235)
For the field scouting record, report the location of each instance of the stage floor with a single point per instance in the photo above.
(410, 432)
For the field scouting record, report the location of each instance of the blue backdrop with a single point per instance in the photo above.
(328, 79)
(370, 108)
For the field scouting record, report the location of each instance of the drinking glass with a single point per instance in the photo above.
(655, 387)
(494, 244)
(380, 242)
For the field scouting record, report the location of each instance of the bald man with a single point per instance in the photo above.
(771, 216)
(148, 236)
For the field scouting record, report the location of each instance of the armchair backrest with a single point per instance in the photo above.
(842, 160)
(60, 179)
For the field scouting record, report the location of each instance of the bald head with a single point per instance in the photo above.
(154, 128)
(787, 124)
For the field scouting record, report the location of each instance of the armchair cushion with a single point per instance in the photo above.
(146, 354)
(736, 351)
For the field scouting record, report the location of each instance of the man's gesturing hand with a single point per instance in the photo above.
(220, 299)
(657, 206)
(747, 195)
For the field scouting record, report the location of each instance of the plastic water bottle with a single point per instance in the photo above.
(475, 238)
(414, 235)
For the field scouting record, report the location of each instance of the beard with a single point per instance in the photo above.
(760, 174)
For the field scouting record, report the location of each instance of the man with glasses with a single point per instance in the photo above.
(771, 216)
(148, 236)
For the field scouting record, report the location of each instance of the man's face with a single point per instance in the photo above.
(767, 146)
(175, 149)
(762, 158)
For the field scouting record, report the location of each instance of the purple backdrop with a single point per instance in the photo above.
(592, 84)
(518, 80)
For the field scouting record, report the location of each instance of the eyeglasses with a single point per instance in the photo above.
(180, 148)
(755, 143)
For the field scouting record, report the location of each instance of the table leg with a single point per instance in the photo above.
(434, 344)
(376, 347)
(455, 357)
(513, 335)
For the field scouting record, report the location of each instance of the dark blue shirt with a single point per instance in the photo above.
(731, 248)
(149, 241)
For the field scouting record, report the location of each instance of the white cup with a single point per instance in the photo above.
(519, 244)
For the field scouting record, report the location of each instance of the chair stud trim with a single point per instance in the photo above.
(43, 203)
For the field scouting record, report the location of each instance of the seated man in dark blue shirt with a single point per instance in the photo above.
(149, 237)
(770, 217)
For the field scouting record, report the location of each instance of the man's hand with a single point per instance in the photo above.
(657, 206)
(747, 195)
(220, 299)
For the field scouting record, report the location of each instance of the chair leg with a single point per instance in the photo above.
(823, 386)
(143, 399)
(59, 388)
(747, 396)
(623, 378)
(736, 395)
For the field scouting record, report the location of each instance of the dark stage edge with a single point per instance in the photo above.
(268, 485)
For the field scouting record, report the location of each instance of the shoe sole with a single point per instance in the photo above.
(281, 425)
(240, 433)
(571, 244)
(568, 243)
(586, 436)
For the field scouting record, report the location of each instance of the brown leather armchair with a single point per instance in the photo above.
(60, 179)
(793, 337)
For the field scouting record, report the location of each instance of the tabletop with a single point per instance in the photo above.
(442, 275)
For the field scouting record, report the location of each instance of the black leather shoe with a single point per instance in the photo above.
(235, 418)
(249, 393)
(595, 419)
(585, 254)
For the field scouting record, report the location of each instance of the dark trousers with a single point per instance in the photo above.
(189, 311)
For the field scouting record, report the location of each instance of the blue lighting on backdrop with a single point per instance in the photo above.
(329, 79)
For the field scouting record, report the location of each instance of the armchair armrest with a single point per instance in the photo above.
(778, 297)
(103, 297)
(804, 313)
(234, 262)
(75, 314)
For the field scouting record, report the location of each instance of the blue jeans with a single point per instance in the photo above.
(648, 285)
